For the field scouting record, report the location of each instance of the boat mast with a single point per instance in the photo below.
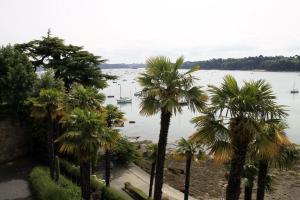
(120, 91)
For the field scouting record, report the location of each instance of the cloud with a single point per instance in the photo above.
(131, 30)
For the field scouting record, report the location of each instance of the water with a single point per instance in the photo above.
(148, 127)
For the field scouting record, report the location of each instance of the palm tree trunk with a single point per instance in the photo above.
(85, 169)
(107, 167)
(248, 190)
(236, 169)
(51, 147)
(187, 177)
(161, 152)
(262, 179)
(152, 177)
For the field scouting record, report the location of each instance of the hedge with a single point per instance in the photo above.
(73, 172)
(44, 188)
(135, 192)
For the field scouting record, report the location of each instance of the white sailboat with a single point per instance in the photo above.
(294, 90)
(123, 100)
(137, 93)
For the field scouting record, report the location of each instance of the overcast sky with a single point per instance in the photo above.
(130, 30)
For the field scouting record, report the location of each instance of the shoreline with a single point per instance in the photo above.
(208, 179)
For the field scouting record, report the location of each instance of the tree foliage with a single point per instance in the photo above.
(235, 119)
(71, 63)
(16, 80)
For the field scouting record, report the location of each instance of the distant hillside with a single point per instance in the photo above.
(277, 63)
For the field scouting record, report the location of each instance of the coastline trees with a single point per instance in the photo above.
(164, 87)
(17, 79)
(113, 117)
(49, 105)
(266, 148)
(84, 125)
(188, 150)
(233, 121)
(84, 128)
(70, 63)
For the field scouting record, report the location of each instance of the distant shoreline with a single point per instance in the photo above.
(250, 70)
(266, 63)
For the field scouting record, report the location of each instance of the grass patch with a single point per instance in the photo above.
(44, 188)
(73, 172)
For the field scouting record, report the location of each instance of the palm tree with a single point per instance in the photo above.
(152, 155)
(114, 117)
(267, 148)
(189, 150)
(232, 121)
(164, 87)
(85, 98)
(108, 141)
(273, 148)
(49, 105)
(81, 140)
(249, 173)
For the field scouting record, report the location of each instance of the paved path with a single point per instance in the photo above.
(13, 180)
(139, 178)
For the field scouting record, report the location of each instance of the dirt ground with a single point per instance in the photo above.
(208, 180)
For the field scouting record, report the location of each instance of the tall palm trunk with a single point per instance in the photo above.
(153, 165)
(248, 190)
(236, 169)
(161, 152)
(262, 179)
(85, 169)
(187, 177)
(107, 167)
(107, 159)
(51, 147)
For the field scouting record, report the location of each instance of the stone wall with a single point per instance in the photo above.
(13, 140)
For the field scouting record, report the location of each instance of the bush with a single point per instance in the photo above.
(113, 194)
(70, 170)
(97, 184)
(126, 151)
(45, 188)
(135, 192)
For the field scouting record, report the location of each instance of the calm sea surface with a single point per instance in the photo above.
(148, 127)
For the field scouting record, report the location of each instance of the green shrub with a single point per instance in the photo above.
(113, 194)
(96, 184)
(135, 192)
(69, 169)
(126, 151)
(45, 188)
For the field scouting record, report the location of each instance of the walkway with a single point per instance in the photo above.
(139, 178)
(13, 180)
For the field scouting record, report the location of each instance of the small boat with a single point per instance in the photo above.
(124, 100)
(137, 94)
(110, 96)
(131, 122)
(294, 90)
